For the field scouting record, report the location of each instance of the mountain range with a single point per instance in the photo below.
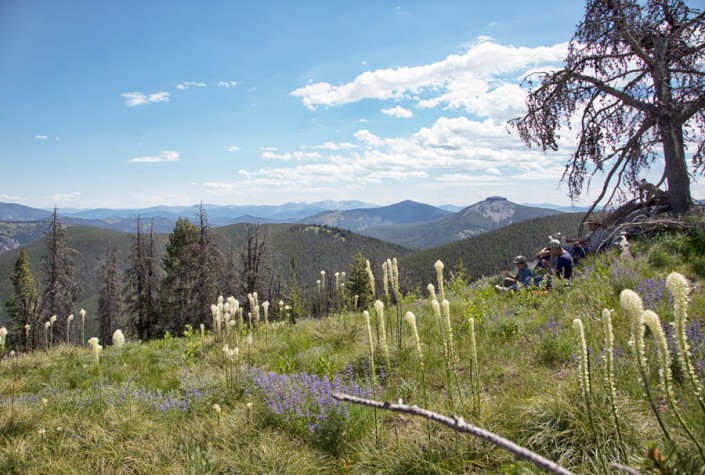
(408, 223)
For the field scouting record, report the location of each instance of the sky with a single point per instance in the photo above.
(127, 104)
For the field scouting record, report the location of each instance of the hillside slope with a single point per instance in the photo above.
(359, 219)
(315, 248)
(489, 214)
(491, 252)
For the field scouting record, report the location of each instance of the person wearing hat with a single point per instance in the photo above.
(592, 242)
(522, 276)
(561, 259)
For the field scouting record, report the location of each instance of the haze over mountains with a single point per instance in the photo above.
(408, 223)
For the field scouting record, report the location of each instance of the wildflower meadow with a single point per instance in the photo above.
(604, 376)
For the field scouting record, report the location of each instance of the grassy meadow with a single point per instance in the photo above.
(258, 399)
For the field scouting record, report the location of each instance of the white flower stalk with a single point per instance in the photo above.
(220, 299)
(609, 370)
(652, 321)
(69, 319)
(664, 356)
(323, 279)
(584, 368)
(357, 299)
(82, 313)
(52, 320)
(634, 308)
(203, 330)
(439, 274)
(337, 281)
(449, 329)
(379, 310)
(680, 289)
(318, 284)
(255, 312)
(265, 311)
(96, 347)
(118, 339)
(475, 369)
(385, 277)
(218, 322)
(395, 278)
(46, 334)
(411, 320)
(366, 314)
(251, 299)
(370, 277)
(3, 336)
(249, 340)
(431, 292)
(256, 297)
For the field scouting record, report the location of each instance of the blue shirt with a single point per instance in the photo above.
(524, 275)
(564, 265)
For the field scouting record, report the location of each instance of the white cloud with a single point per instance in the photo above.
(232, 148)
(398, 111)
(189, 84)
(227, 83)
(9, 198)
(478, 71)
(165, 156)
(336, 146)
(467, 156)
(63, 199)
(40, 137)
(133, 99)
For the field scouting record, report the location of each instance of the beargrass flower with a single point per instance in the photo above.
(118, 339)
(584, 368)
(654, 324)
(680, 289)
(609, 370)
(632, 305)
(82, 313)
(439, 274)
(634, 309)
(431, 291)
(370, 276)
(3, 335)
(385, 277)
(216, 408)
(69, 319)
(95, 346)
(366, 314)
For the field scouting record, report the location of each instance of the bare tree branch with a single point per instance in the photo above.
(458, 424)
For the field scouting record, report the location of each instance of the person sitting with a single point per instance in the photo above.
(561, 259)
(590, 243)
(522, 276)
(544, 253)
(559, 263)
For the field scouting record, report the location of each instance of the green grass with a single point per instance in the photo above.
(154, 412)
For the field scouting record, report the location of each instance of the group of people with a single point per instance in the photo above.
(557, 259)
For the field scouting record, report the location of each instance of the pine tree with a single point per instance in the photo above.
(109, 301)
(209, 261)
(61, 290)
(142, 280)
(359, 282)
(177, 290)
(24, 304)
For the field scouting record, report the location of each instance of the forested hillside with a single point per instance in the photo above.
(491, 252)
(314, 248)
(487, 215)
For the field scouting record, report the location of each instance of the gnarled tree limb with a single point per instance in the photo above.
(458, 424)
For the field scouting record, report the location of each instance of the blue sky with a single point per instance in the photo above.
(139, 103)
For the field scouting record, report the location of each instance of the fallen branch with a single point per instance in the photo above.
(458, 424)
